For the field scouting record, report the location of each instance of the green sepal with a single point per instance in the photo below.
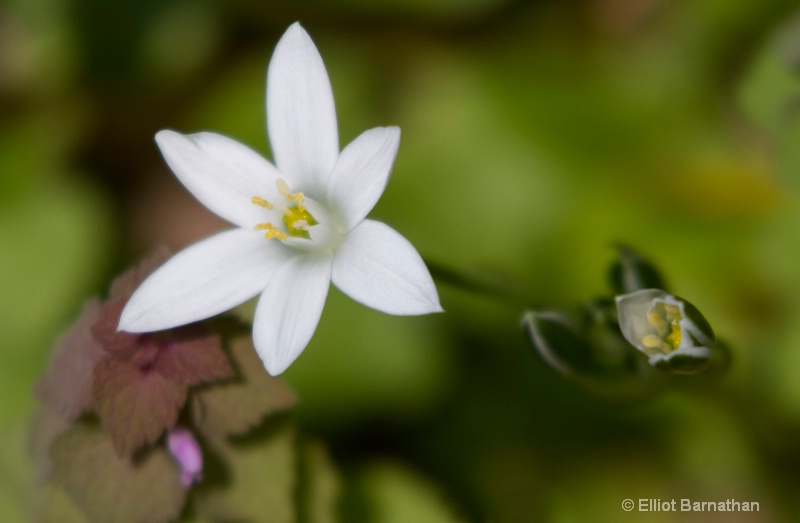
(632, 272)
(702, 333)
(682, 364)
(558, 341)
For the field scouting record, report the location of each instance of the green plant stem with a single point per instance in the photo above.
(489, 283)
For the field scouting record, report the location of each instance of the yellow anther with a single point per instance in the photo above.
(272, 232)
(283, 189)
(261, 202)
(286, 192)
(673, 312)
(651, 341)
(655, 319)
(674, 338)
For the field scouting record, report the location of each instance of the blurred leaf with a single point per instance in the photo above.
(191, 355)
(56, 506)
(111, 489)
(135, 405)
(632, 272)
(788, 153)
(44, 428)
(321, 488)
(770, 91)
(126, 284)
(234, 406)
(119, 344)
(66, 387)
(399, 495)
(770, 96)
(558, 342)
(262, 485)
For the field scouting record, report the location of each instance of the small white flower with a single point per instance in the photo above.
(670, 330)
(301, 223)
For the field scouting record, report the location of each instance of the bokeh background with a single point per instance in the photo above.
(535, 135)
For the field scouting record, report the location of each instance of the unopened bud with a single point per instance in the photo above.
(668, 329)
(186, 452)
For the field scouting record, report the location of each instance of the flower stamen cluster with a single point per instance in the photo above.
(666, 319)
(296, 217)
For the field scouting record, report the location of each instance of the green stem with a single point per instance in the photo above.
(488, 283)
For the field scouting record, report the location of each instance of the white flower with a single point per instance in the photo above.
(301, 225)
(670, 330)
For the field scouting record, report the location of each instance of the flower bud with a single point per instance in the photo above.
(670, 330)
(186, 451)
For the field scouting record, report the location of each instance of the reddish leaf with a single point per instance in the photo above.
(135, 404)
(233, 407)
(125, 285)
(113, 489)
(66, 387)
(192, 355)
(120, 344)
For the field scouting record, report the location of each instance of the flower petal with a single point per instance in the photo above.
(361, 173)
(376, 266)
(289, 310)
(632, 309)
(203, 280)
(221, 173)
(301, 116)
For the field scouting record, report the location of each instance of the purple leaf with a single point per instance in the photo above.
(66, 387)
(136, 404)
(192, 355)
(119, 343)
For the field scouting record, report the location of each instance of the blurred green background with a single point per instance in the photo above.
(535, 134)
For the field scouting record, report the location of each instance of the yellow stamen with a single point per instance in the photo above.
(655, 319)
(272, 232)
(666, 320)
(673, 312)
(261, 202)
(295, 198)
(283, 189)
(295, 215)
(651, 341)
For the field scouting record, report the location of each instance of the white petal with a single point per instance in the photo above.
(221, 173)
(632, 309)
(203, 280)
(361, 173)
(289, 310)
(376, 266)
(301, 117)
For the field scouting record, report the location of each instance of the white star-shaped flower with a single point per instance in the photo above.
(301, 223)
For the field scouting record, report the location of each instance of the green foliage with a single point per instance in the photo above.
(535, 135)
(235, 406)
